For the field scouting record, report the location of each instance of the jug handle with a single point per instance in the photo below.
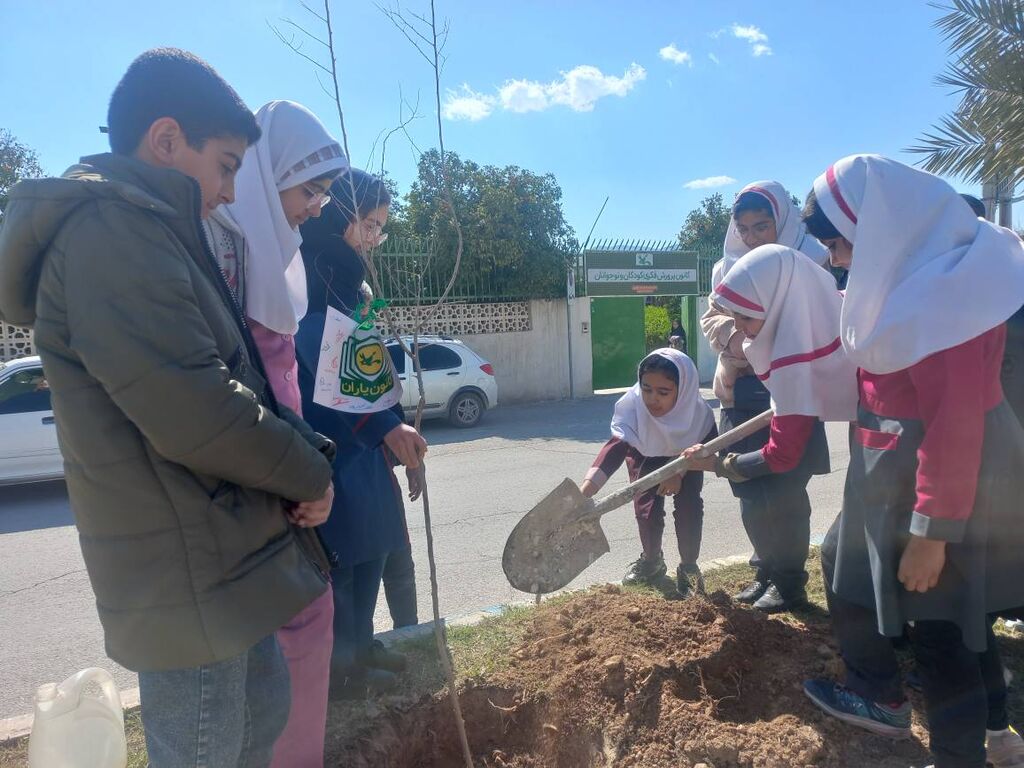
(106, 682)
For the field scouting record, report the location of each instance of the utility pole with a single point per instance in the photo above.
(570, 294)
(1005, 195)
(990, 197)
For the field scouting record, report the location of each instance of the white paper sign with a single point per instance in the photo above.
(354, 372)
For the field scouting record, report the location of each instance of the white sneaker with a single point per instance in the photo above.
(1005, 748)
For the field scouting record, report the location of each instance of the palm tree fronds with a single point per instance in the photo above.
(984, 137)
(970, 25)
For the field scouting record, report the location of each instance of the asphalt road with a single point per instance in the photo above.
(481, 481)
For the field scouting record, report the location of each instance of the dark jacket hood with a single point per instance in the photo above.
(38, 208)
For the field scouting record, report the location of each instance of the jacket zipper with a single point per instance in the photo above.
(311, 544)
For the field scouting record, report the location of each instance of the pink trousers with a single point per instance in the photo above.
(308, 639)
(306, 642)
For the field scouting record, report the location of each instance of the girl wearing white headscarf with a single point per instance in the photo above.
(659, 416)
(282, 182)
(796, 350)
(747, 231)
(763, 214)
(787, 307)
(930, 531)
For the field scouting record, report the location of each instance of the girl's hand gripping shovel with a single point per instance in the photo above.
(561, 536)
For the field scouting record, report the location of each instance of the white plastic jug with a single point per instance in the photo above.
(75, 729)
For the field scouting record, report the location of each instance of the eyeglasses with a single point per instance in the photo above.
(317, 198)
(371, 226)
(372, 229)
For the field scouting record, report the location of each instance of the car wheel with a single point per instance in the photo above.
(466, 410)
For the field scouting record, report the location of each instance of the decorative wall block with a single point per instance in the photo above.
(15, 342)
(464, 319)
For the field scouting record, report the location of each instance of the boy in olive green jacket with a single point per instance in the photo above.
(193, 492)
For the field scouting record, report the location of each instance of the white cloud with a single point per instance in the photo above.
(751, 34)
(467, 104)
(711, 182)
(676, 56)
(579, 89)
(714, 58)
(758, 40)
(523, 96)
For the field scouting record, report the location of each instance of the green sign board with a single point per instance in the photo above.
(641, 273)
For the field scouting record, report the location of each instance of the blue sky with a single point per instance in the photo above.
(654, 104)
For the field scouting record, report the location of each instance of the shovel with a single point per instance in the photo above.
(561, 536)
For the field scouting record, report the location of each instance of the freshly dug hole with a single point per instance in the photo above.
(624, 679)
(504, 731)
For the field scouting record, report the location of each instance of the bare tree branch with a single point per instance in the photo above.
(305, 31)
(296, 47)
(402, 127)
(310, 10)
(428, 42)
(412, 141)
(407, 30)
(323, 87)
(446, 187)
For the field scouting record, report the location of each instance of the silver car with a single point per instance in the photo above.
(457, 382)
(28, 436)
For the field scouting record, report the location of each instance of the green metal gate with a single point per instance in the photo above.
(617, 323)
(691, 324)
(617, 338)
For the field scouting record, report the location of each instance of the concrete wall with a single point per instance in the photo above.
(534, 365)
(706, 359)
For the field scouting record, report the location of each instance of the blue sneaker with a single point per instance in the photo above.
(843, 704)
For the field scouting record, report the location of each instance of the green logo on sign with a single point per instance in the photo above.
(364, 370)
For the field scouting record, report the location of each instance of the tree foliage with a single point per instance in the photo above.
(657, 326)
(984, 137)
(512, 223)
(705, 226)
(17, 162)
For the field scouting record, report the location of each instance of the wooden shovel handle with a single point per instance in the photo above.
(674, 467)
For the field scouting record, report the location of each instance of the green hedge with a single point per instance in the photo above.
(656, 326)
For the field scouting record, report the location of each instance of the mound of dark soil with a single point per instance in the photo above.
(623, 679)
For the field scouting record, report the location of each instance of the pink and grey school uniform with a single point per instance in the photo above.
(645, 443)
(798, 356)
(936, 453)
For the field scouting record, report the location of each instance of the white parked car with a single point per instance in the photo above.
(457, 382)
(28, 436)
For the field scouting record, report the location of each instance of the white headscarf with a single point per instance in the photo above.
(294, 148)
(790, 230)
(688, 423)
(927, 274)
(797, 353)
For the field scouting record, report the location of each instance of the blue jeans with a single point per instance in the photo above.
(218, 715)
(355, 599)
(400, 587)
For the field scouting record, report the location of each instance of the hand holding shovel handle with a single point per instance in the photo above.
(561, 536)
(677, 466)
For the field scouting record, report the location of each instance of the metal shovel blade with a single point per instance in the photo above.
(554, 542)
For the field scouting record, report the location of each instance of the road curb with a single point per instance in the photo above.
(17, 727)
